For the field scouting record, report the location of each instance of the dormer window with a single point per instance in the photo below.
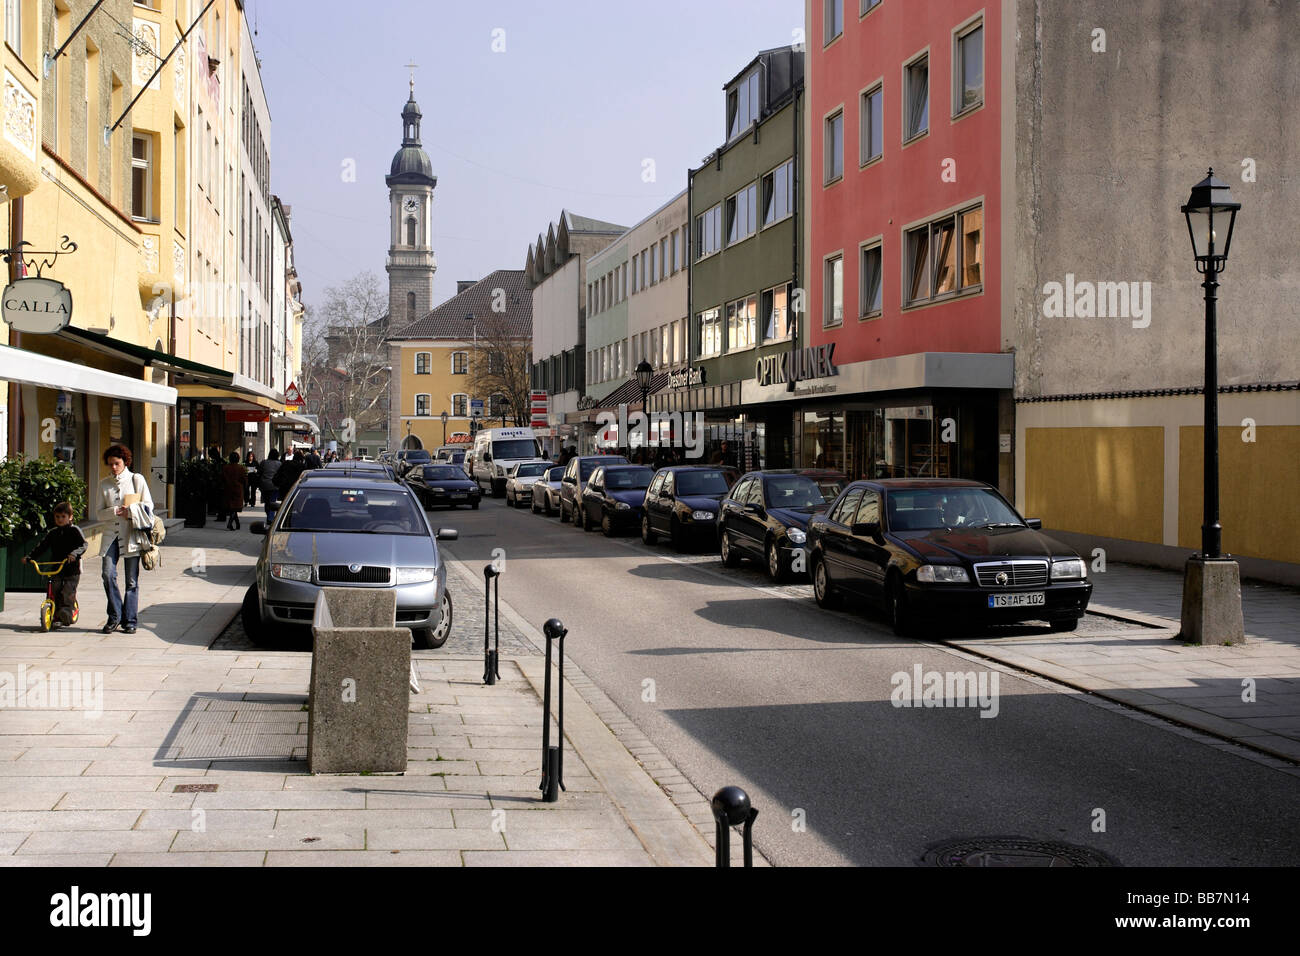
(742, 105)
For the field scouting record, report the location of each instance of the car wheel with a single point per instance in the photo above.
(564, 515)
(823, 589)
(250, 614)
(776, 564)
(730, 558)
(431, 638)
(647, 534)
(581, 520)
(607, 526)
(1065, 624)
(899, 615)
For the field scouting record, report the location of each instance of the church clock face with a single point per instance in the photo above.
(409, 204)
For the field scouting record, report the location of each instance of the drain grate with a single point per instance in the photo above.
(195, 788)
(1011, 852)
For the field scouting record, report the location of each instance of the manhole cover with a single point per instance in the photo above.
(195, 788)
(1012, 851)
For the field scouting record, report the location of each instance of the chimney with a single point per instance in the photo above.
(463, 284)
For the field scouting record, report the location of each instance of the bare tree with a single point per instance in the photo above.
(501, 367)
(350, 371)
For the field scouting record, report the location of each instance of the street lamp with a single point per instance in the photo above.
(1211, 581)
(644, 373)
(443, 416)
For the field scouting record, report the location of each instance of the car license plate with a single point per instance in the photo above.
(1029, 599)
(458, 494)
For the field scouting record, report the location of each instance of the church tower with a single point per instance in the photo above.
(411, 263)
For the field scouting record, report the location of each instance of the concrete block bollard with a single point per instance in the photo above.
(360, 683)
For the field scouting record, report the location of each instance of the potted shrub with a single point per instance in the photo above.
(29, 490)
(194, 487)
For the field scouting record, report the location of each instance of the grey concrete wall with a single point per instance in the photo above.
(1107, 147)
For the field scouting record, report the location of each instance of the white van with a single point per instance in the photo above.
(496, 450)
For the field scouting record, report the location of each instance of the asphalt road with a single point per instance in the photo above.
(740, 683)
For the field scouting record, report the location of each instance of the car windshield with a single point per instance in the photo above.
(514, 448)
(416, 454)
(351, 511)
(794, 491)
(926, 509)
(701, 483)
(632, 478)
(588, 465)
(444, 473)
(531, 469)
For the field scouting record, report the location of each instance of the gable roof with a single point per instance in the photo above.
(447, 321)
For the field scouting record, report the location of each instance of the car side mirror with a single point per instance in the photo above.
(446, 534)
(258, 527)
(866, 529)
(1035, 523)
(753, 509)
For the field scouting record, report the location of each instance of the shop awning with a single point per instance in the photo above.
(32, 368)
(629, 394)
(292, 422)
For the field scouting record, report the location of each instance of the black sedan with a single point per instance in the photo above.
(613, 498)
(766, 518)
(682, 502)
(943, 550)
(443, 485)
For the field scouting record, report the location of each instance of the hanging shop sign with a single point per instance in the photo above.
(816, 361)
(35, 304)
(686, 378)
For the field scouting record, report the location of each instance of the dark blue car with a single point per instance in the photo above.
(682, 502)
(613, 498)
(766, 518)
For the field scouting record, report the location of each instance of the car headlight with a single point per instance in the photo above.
(796, 536)
(622, 506)
(415, 575)
(291, 572)
(438, 490)
(942, 574)
(702, 515)
(1069, 569)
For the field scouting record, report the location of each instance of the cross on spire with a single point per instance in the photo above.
(413, 66)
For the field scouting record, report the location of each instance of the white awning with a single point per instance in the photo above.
(297, 423)
(32, 368)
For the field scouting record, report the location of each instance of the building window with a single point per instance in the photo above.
(708, 232)
(663, 258)
(778, 323)
(778, 193)
(939, 265)
(833, 292)
(741, 217)
(872, 125)
(422, 406)
(423, 361)
(676, 252)
(654, 263)
(14, 25)
(460, 405)
(459, 363)
(968, 68)
(834, 145)
(636, 261)
(867, 6)
(833, 18)
(142, 178)
(710, 337)
(916, 98)
(870, 282)
(410, 232)
(742, 323)
(410, 306)
(742, 105)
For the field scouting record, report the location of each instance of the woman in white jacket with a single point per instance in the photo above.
(112, 507)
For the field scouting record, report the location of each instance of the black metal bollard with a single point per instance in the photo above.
(553, 757)
(491, 658)
(731, 808)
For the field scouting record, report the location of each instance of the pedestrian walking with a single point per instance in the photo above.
(289, 472)
(250, 465)
(311, 461)
(234, 480)
(119, 493)
(266, 474)
(65, 543)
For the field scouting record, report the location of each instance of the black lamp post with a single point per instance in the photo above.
(644, 373)
(1212, 584)
(443, 416)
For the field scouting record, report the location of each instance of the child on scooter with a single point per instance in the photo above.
(66, 543)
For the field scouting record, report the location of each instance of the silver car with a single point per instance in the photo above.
(546, 492)
(349, 531)
(519, 486)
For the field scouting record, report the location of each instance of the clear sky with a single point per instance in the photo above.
(584, 93)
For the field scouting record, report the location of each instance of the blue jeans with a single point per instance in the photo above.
(119, 611)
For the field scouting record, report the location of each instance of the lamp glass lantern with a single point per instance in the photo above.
(644, 373)
(1211, 213)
